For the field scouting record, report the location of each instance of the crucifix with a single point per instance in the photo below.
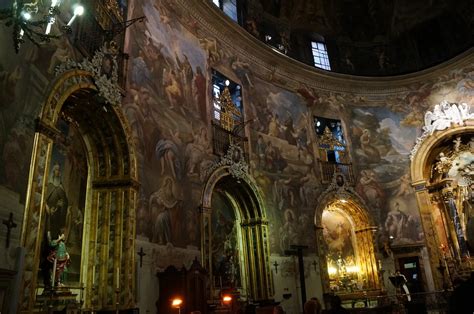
(10, 225)
(276, 267)
(297, 250)
(141, 254)
(314, 263)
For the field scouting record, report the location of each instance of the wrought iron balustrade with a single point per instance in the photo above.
(103, 23)
(222, 138)
(328, 169)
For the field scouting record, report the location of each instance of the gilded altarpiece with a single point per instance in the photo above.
(247, 235)
(441, 174)
(103, 267)
(345, 236)
(450, 190)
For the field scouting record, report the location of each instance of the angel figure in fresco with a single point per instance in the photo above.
(404, 187)
(172, 89)
(59, 257)
(367, 146)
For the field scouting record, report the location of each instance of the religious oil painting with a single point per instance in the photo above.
(338, 235)
(226, 248)
(65, 208)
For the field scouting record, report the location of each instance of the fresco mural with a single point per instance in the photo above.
(283, 162)
(381, 145)
(167, 109)
(31, 69)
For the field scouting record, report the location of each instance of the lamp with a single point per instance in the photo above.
(176, 303)
(29, 20)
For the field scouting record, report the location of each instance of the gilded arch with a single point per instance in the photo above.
(432, 198)
(254, 226)
(345, 199)
(120, 189)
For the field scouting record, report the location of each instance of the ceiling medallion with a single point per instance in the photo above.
(234, 159)
(104, 69)
(442, 117)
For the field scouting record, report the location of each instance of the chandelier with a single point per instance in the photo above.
(30, 19)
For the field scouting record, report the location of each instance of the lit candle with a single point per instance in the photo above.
(93, 275)
(118, 278)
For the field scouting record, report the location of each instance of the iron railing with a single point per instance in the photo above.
(329, 168)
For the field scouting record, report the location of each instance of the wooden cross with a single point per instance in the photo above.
(10, 225)
(141, 254)
(314, 263)
(276, 267)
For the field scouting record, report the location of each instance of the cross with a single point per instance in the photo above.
(314, 263)
(141, 254)
(297, 250)
(10, 225)
(276, 267)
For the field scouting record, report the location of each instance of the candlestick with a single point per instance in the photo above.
(93, 275)
(118, 278)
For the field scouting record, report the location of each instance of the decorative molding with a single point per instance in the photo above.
(104, 69)
(340, 186)
(442, 117)
(235, 161)
(207, 22)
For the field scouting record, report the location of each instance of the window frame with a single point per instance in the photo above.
(320, 55)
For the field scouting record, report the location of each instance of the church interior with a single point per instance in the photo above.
(236, 156)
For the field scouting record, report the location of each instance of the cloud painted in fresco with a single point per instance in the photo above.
(285, 103)
(175, 42)
(402, 138)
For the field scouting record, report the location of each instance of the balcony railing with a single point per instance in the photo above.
(329, 168)
(104, 24)
(222, 138)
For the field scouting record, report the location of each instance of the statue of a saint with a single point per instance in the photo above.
(60, 259)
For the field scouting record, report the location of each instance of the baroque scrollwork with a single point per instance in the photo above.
(235, 160)
(104, 69)
(442, 117)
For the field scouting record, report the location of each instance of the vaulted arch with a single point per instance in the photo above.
(340, 200)
(78, 127)
(440, 177)
(244, 205)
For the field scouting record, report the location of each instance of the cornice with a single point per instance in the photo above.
(271, 65)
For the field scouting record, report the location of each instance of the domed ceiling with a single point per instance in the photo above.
(368, 37)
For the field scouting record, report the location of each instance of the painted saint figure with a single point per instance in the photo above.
(56, 202)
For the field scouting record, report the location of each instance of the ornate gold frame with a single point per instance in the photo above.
(254, 231)
(420, 176)
(365, 228)
(107, 197)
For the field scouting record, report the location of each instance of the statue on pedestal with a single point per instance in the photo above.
(60, 259)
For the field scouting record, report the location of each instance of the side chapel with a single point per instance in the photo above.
(234, 156)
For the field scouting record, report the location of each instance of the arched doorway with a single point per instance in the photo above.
(345, 240)
(82, 184)
(234, 236)
(442, 178)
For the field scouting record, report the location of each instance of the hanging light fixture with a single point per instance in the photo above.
(28, 20)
